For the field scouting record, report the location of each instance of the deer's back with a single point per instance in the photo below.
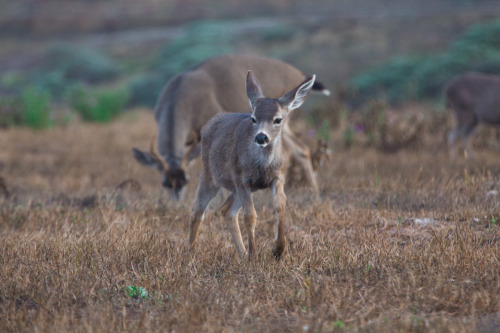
(218, 84)
(476, 93)
(230, 73)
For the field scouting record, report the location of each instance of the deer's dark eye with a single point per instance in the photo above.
(277, 121)
(253, 120)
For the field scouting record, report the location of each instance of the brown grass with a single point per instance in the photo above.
(400, 242)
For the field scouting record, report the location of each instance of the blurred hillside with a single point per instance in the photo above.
(47, 17)
(97, 50)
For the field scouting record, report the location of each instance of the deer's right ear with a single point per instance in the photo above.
(254, 92)
(295, 97)
(147, 159)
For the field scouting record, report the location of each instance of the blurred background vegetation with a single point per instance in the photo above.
(92, 60)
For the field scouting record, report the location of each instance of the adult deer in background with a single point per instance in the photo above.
(217, 85)
(244, 153)
(475, 99)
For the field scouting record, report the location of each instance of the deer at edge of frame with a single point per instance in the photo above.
(475, 99)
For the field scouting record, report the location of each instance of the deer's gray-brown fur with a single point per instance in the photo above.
(244, 153)
(475, 99)
(217, 85)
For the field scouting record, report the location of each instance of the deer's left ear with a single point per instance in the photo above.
(254, 92)
(295, 97)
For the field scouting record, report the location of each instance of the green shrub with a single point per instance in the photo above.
(80, 64)
(35, 108)
(200, 41)
(479, 38)
(278, 33)
(145, 89)
(391, 80)
(402, 79)
(100, 105)
(66, 65)
(31, 108)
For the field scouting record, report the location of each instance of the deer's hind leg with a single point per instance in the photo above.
(468, 134)
(302, 155)
(205, 193)
(466, 123)
(230, 210)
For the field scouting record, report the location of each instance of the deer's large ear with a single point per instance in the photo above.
(295, 97)
(147, 159)
(254, 92)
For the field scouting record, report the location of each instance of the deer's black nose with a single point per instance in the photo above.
(174, 179)
(261, 139)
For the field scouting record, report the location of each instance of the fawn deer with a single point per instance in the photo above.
(244, 153)
(475, 99)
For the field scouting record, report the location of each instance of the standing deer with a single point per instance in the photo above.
(217, 85)
(475, 99)
(244, 153)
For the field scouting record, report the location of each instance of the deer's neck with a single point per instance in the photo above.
(173, 132)
(271, 155)
(264, 166)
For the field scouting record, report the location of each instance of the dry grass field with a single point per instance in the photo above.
(90, 242)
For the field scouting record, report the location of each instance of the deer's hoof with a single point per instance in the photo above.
(278, 250)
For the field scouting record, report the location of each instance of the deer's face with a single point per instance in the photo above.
(268, 118)
(174, 181)
(269, 115)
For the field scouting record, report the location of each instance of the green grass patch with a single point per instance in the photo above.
(35, 108)
(98, 105)
(32, 108)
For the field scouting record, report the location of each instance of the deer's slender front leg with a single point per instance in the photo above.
(230, 210)
(206, 192)
(249, 215)
(279, 203)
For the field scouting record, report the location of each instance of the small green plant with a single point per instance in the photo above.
(493, 222)
(35, 108)
(137, 292)
(99, 106)
(348, 137)
(324, 131)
